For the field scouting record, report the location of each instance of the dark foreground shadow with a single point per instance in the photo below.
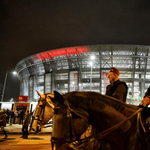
(35, 138)
(2, 140)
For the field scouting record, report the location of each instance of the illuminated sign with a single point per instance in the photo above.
(22, 98)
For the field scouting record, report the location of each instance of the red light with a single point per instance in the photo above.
(63, 51)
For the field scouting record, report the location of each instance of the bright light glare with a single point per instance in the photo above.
(14, 72)
(92, 57)
(91, 63)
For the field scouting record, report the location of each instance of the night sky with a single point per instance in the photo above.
(31, 26)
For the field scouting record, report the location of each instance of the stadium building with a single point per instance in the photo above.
(73, 69)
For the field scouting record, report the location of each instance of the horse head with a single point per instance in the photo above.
(68, 124)
(43, 112)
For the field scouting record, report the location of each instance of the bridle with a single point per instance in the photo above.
(44, 101)
(69, 136)
(71, 141)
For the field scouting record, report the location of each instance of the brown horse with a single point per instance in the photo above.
(43, 112)
(76, 110)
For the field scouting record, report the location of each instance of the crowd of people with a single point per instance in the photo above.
(14, 117)
(18, 117)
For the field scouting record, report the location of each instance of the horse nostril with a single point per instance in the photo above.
(36, 131)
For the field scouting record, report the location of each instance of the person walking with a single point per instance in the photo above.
(15, 116)
(26, 122)
(11, 117)
(8, 115)
(21, 117)
(3, 122)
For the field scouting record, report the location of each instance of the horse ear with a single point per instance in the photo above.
(41, 95)
(38, 93)
(58, 97)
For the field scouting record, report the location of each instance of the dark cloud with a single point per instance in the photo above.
(32, 26)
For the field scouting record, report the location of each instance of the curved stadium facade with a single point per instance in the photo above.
(68, 69)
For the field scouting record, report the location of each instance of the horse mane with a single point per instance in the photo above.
(84, 99)
(104, 108)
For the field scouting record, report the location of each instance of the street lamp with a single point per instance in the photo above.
(91, 63)
(14, 72)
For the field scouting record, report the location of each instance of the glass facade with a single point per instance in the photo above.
(73, 72)
(47, 87)
(31, 89)
(61, 82)
(73, 82)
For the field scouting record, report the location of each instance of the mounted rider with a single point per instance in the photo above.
(117, 89)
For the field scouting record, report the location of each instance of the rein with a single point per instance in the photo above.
(75, 112)
(107, 131)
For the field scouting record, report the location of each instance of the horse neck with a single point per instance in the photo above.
(105, 111)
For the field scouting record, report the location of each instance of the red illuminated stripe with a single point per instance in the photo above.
(59, 52)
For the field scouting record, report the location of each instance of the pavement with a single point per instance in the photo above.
(34, 142)
(17, 129)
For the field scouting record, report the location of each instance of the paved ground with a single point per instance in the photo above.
(40, 141)
(16, 128)
(34, 142)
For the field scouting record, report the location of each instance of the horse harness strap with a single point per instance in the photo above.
(72, 128)
(105, 132)
(78, 114)
(139, 121)
(43, 109)
(68, 137)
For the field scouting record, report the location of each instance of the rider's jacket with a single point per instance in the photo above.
(117, 90)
